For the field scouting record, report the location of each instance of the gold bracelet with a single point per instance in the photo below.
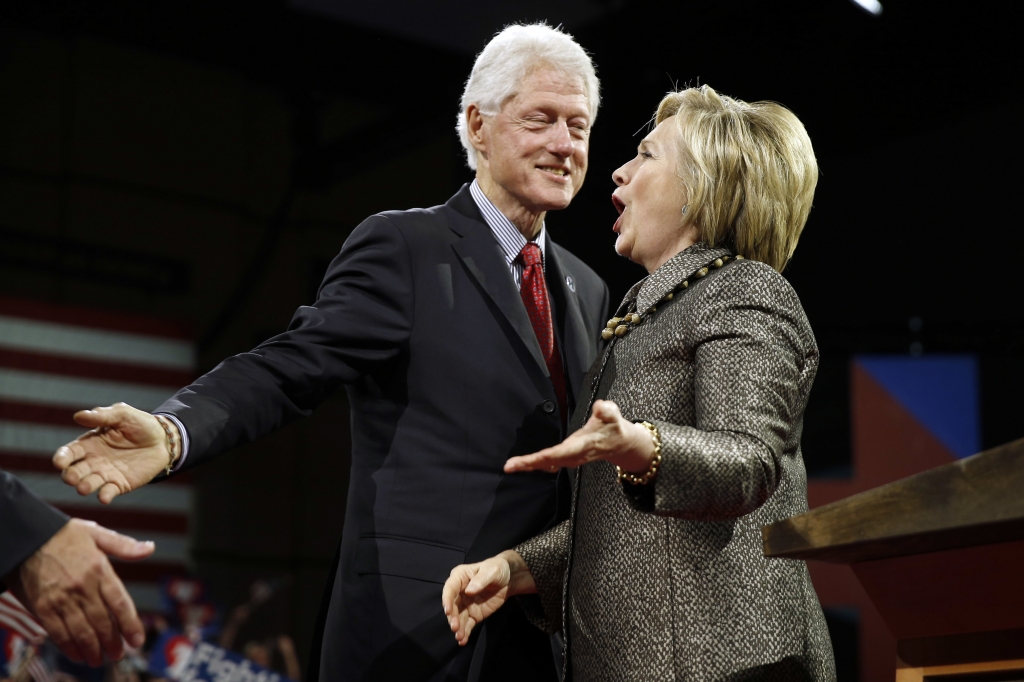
(652, 468)
(171, 441)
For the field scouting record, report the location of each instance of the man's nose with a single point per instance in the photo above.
(561, 141)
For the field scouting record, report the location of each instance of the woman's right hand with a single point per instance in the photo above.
(474, 591)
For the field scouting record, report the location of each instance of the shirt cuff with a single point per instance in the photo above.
(184, 439)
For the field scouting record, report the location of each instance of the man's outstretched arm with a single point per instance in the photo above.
(362, 318)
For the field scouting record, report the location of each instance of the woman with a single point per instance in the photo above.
(690, 441)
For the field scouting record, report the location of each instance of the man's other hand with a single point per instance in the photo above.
(125, 449)
(71, 588)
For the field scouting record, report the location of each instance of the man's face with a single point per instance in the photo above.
(536, 147)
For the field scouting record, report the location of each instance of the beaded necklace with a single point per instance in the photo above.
(620, 326)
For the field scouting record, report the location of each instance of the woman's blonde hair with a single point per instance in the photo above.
(748, 169)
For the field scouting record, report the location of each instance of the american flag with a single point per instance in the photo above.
(55, 360)
(21, 642)
(18, 620)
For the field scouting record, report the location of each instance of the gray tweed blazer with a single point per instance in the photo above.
(668, 581)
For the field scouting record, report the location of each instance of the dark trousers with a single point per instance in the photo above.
(413, 642)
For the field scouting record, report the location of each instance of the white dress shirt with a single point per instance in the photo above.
(509, 237)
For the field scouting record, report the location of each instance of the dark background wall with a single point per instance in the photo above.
(204, 161)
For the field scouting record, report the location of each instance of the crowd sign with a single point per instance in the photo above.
(176, 657)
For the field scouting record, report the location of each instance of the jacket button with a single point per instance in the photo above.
(548, 406)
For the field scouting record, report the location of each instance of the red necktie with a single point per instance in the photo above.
(535, 297)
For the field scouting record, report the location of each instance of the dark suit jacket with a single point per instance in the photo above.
(26, 523)
(420, 319)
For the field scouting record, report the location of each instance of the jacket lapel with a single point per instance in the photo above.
(576, 344)
(483, 258)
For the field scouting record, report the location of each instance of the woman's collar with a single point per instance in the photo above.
(672, 272)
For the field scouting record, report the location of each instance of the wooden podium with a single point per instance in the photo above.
(941, 555)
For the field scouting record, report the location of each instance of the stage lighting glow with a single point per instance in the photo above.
(872, 6)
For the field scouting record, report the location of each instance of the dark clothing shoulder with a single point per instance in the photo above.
(27, 523)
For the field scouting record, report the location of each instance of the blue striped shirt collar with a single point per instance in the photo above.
(511, 239)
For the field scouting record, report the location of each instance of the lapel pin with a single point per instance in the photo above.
(571, 283)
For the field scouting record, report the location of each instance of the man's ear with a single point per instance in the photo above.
(475, 125)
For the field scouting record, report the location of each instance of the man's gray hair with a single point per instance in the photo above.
(510, 56)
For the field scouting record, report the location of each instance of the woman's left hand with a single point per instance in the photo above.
(606, 435)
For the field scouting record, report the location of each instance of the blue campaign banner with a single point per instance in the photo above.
(170, 654)
(176, 657)
(939, 391)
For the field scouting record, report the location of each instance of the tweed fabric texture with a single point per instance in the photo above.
(668, 581)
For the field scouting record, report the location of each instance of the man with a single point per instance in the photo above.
(58, 569)
(462, 334)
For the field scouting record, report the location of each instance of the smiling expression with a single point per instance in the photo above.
(650, 198)
(535, 149)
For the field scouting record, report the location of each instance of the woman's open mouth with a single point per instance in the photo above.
(620, 206)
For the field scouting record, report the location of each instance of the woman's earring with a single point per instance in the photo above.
(684, 208)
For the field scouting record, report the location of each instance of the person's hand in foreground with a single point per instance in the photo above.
(71, 588)
(475, 591)
(606, 435)
(125, 449)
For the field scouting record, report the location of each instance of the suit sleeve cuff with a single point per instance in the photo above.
(184, 439)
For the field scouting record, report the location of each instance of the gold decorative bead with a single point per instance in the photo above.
(614, 322)
(685, 283)
(668, 296)
(718, 263)
(634, 318)
(739, 257)
(700, 273)
(621, 330)
(606, 334)
(653, 309)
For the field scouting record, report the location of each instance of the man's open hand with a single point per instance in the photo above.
(125, 449)
(71, 588)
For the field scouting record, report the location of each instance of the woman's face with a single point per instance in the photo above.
(650, 198)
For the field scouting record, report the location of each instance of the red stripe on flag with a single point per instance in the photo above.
(94, 319)
(17, 618)
(93, 369)
(23, 624)
(19, 461)
(129, 520)
(15, 462)
(37, 414)
(147, 571)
